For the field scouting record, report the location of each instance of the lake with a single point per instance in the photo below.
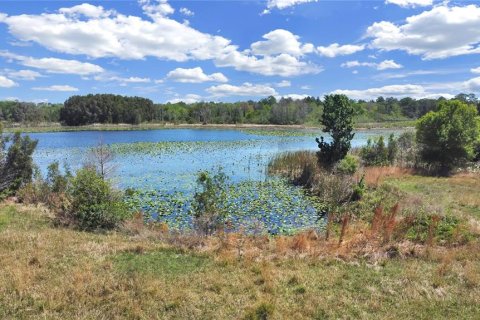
(163, 165)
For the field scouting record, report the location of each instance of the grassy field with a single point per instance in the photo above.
(141, 273)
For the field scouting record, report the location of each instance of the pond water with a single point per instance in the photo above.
(163, 165)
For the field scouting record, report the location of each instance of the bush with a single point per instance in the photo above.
(94, 204)
(16, 164)
(347, 165)
(447, 138)
(376, 153)
(208, 212)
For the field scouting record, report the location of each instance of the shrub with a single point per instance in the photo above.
(16, 164)
(447, 137)
(208, 212)
(376, 153)
(347, 165)
(94, 204)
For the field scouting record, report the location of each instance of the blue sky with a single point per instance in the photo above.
(238, 50)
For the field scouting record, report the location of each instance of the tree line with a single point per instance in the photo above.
(113, 109)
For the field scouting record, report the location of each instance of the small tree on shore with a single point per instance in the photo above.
(448, 137)
(16, 163)
(337, 120)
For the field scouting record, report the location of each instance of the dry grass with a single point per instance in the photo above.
(375, 176)
(147, 272)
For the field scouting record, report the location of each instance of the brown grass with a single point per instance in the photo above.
(374, 176)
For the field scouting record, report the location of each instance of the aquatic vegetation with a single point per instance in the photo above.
(272, 206)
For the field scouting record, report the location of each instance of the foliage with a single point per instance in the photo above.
(106, 108)
(337, 119)
(94, 203)
(447, 137)
(347, 165)
(207, 210)
(109, 109)
(376, 153)
(16, 164)
(407, 149)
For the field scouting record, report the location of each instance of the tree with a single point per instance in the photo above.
(208, 212)
(448, 137)
(337, 119)
(94, 203)
(102, 159)
(16, 164)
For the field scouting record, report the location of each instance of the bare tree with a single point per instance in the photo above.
(101, 157)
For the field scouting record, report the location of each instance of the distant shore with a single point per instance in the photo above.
(57, 127)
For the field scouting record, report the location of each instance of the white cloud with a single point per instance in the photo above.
(283, 65)
(99, 34)
(384, 65)
(64, 88)
(189, 98)
(335, 49)
(186, 12)
(475, 70)
(473, 84)
(7, 83)
(194, 75)
(54, 65)
(410, 3)
(246, 89)
(281, 41)
(282, 4)
(123, 80)
(24, 74)
(86, 10)
(405, 90)
(439, 33)
(156, 8)
(283, 84)
(293, 96)
(305, 87)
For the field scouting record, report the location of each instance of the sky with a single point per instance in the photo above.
(219, 50)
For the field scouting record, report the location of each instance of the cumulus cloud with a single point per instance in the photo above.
(384, 65)
(283, 84)
(92, 31)
(54, 65)
(473, 85)
(189, 98)
(246, 89)
(7, 83)
(410, 3)
(24, 74)
(335, 49)
(475, 70)
(63, 88)
(283, 65)
(281, 41)
(293, 96)
(403, 90)
(441, 32)
(86, 10)
(186, 12)
(194, 75)
(283, 4)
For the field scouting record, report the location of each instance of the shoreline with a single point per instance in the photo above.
(56, 127)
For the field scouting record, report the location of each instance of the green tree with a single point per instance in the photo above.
(16, 164)
(448, 137)
(208, 212)
(337, 120)
(95, 205)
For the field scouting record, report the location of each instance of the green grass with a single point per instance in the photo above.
(164, 262)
